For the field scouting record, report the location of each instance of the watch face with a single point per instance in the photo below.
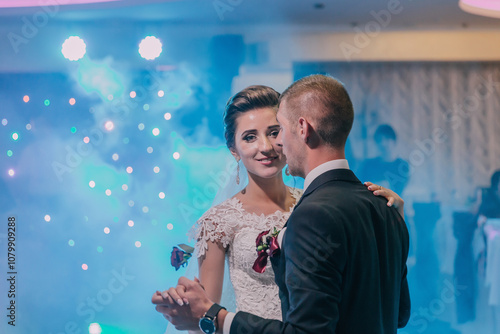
(207, 326)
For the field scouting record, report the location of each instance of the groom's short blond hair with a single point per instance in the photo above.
(325, 101)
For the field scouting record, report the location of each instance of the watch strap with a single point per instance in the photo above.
(213, 311)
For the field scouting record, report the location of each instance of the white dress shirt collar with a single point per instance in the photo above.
(325, 167)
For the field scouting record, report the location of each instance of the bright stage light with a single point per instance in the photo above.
(95, 328)
(150, 48)
(73, 48)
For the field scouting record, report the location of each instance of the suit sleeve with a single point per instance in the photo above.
(404, 302)
(315, 258)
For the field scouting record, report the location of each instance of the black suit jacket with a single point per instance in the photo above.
(342, 267)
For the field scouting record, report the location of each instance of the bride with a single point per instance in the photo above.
(229, 229)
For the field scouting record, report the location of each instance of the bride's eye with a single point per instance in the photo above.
(274, 133)
(249, 138)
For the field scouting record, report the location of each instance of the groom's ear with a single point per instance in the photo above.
(305, 129)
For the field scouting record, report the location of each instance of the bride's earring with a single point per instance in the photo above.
(238, 172)
(287, 171)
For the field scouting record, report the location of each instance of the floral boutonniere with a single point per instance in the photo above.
(267, 246)
(180, 257)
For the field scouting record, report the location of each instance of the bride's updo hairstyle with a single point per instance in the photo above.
(250, 98)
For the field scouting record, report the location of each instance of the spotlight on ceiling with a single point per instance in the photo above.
(150, 48)
(74, 48)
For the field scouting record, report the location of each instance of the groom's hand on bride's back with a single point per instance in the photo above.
(183, 305)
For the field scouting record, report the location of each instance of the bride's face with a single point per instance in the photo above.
(255, 143)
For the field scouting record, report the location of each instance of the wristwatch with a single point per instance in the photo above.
(208, 324)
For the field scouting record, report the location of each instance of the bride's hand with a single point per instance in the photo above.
(393, 199)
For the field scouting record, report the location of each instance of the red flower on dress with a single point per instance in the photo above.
(180, 257)
(267, 246)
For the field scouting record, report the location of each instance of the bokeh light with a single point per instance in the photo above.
(145, 209)
(47, 218)
(150, 48)
(95, 328)
(161, 195)
(140, 126)
(138, 244)
(125, 187)
(72, 101)
(176, 155)
(73, 129)
(170, 226)
(108, 192)
(46, 102)
(130, 223)
(26, 98)
(9, 153)
(161, 93)
(133, 94)
(71, 242)
(167, 116)
(130, 170)
(74, 48)
(28, 126)
(15, 136)
(92, 184)
(11, 172)
(115, 156)
(4, 122)
(149, 149)
(156, 132)
(106, 230)
(131, 203)
(109, 125)
(86, 140)
(110, 97)
(145, 107)
(99, 249)
(85, 266)
(156, 169)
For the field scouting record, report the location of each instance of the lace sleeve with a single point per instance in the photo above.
(212, 227)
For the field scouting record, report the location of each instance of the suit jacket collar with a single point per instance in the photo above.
(331, 175)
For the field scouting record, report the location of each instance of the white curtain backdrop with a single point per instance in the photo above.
(446, 115)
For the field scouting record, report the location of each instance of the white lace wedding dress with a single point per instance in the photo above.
(237, 229)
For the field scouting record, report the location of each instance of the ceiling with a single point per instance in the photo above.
(329, 15)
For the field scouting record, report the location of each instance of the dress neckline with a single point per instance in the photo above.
(235, 202)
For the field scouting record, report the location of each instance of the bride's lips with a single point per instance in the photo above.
(267, 161)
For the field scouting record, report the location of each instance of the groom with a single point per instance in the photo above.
(342, 265)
